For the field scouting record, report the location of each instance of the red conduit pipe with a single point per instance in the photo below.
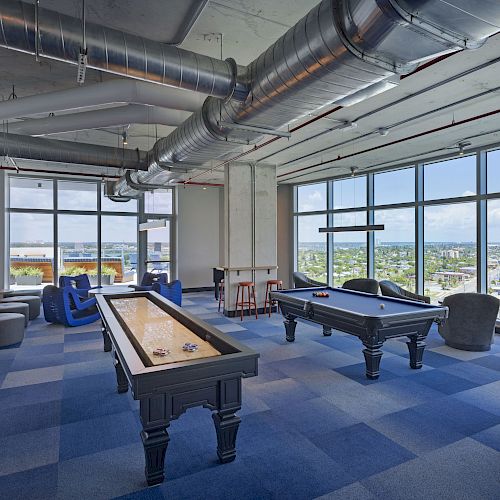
(209, 184)
(398, 141)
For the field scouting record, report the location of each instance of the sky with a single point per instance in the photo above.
(38, 193)
(456, 223)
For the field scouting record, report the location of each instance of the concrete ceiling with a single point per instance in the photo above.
(248, 28)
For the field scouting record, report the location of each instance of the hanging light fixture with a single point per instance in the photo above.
(124, 138)
(153, 224)
(346, 229)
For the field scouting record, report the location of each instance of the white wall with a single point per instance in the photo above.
(285, 234)
(198, 221)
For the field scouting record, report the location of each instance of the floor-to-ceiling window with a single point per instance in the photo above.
(310, 243)
(158, 206)
(436, 215)
(349, 249)
(493, 216)
(450, 229)
(61, 226)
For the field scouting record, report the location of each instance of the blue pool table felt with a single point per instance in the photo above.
(358, 302)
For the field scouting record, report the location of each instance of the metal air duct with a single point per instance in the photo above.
(20, 146)
(340, 48)
(98, 94)
(101, 118)
(35, 30)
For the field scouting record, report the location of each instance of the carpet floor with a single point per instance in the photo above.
(312, 425)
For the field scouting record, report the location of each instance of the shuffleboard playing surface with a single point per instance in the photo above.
(150, 327)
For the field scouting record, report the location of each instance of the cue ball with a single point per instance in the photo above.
(382, 306)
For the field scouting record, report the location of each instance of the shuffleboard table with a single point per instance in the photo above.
(135, 325)
(371, 318)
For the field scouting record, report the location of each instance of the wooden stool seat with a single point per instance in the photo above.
(250, 287)
(268, 303)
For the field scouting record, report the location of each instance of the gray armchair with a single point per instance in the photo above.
(300, 280)
(366, 285)
(390, 289)
(471, 321)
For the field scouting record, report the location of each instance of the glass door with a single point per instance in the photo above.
(158, 248)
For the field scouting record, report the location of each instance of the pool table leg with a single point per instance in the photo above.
(121, 378)
(327, 331)
(416, 347)
(290, 325)
(226, 427)
(373, 355)
(107, 340)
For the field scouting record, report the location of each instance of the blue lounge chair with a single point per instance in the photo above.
(148, 280)
(171, 291)
(65, 306)
(80, 283)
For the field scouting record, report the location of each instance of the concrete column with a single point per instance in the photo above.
(249, 228)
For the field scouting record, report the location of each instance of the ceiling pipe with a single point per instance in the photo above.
(139, 186)
(393, 143)
(102, 94)
(339, 48)
(33, 148)
(337, 108)
(57, 172)
(48, 34)
(102, 118)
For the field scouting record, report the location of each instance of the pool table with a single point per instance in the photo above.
(371, 318)
(135, 325)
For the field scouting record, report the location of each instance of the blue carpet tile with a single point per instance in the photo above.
(313, 426)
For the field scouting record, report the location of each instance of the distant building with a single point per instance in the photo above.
(447, 276)
(450, 254)
(468, 270)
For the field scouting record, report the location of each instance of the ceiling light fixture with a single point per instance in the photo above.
(347, 125)
(124, 138)
(461, 147)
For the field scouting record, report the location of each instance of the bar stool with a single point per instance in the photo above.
(269, 286)
(250, 287)
(221, 292)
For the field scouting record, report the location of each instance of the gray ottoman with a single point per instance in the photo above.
(11, 329)
(17, 307)
(31, 300)
(21, 293)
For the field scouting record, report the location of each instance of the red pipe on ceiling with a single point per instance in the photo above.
(397, 141)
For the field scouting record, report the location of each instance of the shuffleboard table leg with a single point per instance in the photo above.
(373, 355)
(226, 427)
(290, 325)
(107, 340)
(416, 346)
(155, 442)
(327, 332)
(121, 378)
